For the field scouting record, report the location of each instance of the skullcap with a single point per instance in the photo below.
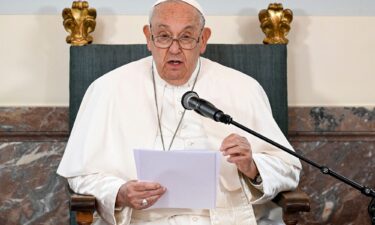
(193, 3)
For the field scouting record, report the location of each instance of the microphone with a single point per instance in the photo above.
(191, 101)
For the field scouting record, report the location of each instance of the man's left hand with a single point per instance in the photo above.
(238, 150)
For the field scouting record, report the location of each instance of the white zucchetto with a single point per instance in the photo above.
(193, 3)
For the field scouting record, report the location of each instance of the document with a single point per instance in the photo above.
(190, 176)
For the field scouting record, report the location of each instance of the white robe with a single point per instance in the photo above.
(118, 114)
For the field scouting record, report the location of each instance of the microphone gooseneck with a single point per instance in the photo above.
(191, 101)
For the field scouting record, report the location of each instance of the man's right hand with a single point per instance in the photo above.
(135, 193)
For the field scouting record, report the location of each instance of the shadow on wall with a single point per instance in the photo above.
(300, 71)
(249, 27)
(35, 60)
(104, 31)
(298, 56)
(55, 55)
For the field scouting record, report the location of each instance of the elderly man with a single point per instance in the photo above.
(138, 106)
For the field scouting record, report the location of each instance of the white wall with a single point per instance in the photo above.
(331, 59)
(211, 7)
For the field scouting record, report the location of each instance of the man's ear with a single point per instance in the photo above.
(147, 33)
(206, 34)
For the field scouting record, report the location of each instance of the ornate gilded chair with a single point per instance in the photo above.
(265, 63)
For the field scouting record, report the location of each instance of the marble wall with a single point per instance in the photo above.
(32, 141)
(344, 140)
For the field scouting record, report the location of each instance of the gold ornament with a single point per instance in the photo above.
(275, 23)
(79, 21)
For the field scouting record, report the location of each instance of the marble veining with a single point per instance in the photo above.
(368, 114)
(29, 119)
(32, 193)
(332, 201)
(331, 119)
(323, 120)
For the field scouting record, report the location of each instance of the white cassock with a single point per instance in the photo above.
(118, 114)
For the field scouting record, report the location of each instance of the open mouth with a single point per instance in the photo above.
(174, 62)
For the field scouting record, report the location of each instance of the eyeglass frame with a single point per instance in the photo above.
(177, 39)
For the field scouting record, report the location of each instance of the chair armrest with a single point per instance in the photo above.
(84, 206)
(292, 203)
(85, 203)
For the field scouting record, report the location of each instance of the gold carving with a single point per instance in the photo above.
(79, 21)
(275, 23)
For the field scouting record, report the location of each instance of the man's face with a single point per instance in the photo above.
(175, 19)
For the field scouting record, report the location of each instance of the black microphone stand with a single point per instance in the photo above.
(324, 169)
(190, 100)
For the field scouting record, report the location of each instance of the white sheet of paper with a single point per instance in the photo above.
(190, 176)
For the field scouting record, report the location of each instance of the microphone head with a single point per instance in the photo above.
(186, 99)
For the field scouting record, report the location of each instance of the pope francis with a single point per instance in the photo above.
(138, 105)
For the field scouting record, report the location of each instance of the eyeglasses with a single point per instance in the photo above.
(165, 41)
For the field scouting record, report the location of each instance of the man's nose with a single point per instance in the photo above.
(175, 47)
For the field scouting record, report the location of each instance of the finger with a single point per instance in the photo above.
(145, 186)
(137, 204)
(147, 194)
(229, 139)
(131, 183)
(227, 145)
(234, 137)
(239, 159)
(233, 141)
(238, 149)
(152, 200)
